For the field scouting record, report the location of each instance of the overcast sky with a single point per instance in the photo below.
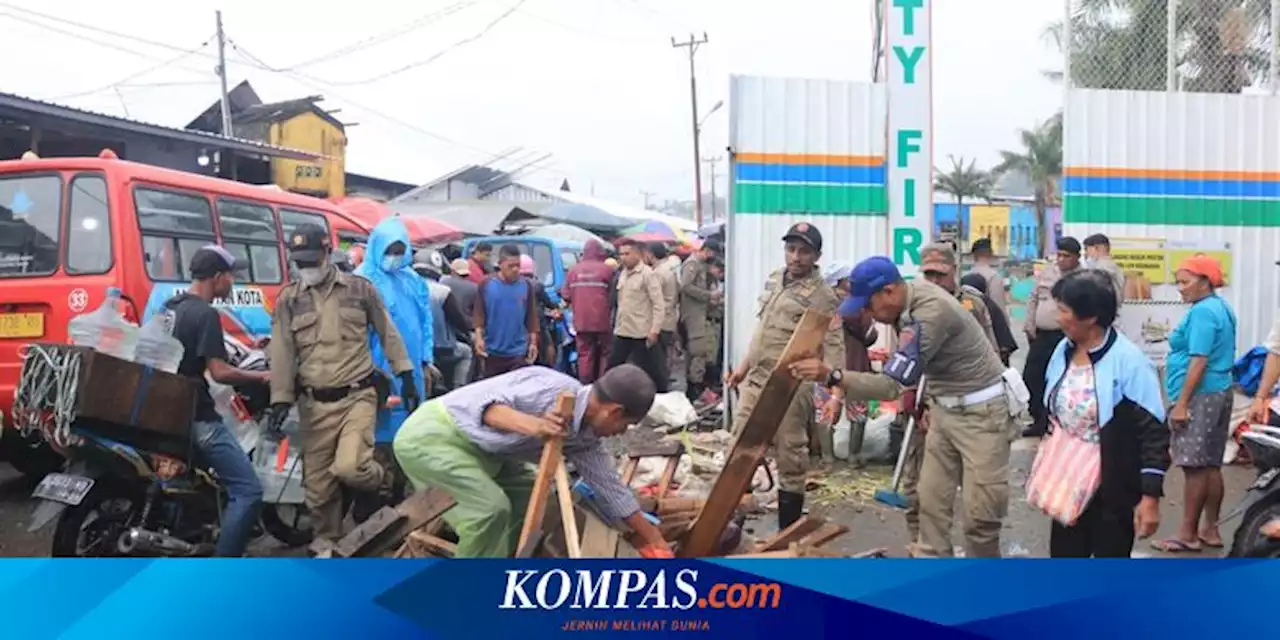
(594, 82)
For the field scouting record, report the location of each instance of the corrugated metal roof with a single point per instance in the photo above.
(40, 107)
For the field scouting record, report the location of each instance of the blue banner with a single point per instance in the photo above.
(789, 599)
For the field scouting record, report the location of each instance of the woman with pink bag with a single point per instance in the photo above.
(1100, 472)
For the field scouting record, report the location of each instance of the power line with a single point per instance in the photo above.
(386, 36)
(317, 84)
(121, 82)
(88, 27)
(465, 41)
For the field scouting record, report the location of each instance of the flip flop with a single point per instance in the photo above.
(1174, 545)
(1212, 545)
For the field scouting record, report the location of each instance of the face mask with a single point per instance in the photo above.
(391, 263)
(1090, 263)
(312, 275)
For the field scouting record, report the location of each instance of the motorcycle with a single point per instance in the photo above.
(1260, 508)
(153, 499)
(567, 354)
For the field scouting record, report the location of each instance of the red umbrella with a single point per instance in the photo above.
(422, 230)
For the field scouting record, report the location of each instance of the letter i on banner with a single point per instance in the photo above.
(910, 65)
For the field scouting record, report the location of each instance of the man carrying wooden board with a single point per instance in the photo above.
(972, 400)
(788, 293)
(477, 443)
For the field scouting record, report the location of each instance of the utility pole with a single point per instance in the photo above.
(712, 163)
(647, 195)
(222, 75)
(692, 45)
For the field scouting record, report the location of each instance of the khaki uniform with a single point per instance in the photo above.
(320, 341)
(642, 306)
(781, 306)
(996, 289)
(971, 301)
(668, 278)
(715, 334)
(970, 429)
(695, 298)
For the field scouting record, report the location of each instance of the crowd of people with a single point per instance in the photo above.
(475, 327)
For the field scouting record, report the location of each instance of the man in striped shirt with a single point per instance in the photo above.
(476, 443)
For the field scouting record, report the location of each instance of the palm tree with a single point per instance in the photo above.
(964, 180)
(1222, 45)
(1040, 160)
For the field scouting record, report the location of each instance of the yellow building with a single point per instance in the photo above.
(295, 124)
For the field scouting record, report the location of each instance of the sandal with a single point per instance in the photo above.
(1174, 545)
(1210, 544)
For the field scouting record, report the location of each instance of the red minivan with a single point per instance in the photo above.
(70, 228)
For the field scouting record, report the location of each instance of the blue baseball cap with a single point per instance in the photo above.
(867, 278)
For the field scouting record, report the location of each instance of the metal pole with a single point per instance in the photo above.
(1170, 43)
(222, 75)
(1275, 47)
(712, 162)
(692, 44)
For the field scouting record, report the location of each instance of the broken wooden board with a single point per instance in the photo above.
(754, 438)
(599, 540)
(552, 457)
(794, 533)
(386, 530)
(430, 545)
(826, 533)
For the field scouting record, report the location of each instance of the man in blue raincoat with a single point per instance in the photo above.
(388, 266)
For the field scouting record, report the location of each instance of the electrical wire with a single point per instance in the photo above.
(386, 36)
(121, 82)
(439, 54)
(88, 27)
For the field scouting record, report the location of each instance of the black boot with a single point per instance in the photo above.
(790, 508)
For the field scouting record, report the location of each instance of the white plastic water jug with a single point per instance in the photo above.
(157, 347)
(105, 329)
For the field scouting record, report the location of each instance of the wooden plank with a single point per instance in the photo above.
(784, 553)
(599, 540)
(794, 533)
(668, 475)
(666, 506)
(573, 546)
(828, 532)
(754, 438)
(422, 509)
(629, 470)
(659, 449)
(552, 457)
(433, 545)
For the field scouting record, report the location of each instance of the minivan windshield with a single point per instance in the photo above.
(30, 207)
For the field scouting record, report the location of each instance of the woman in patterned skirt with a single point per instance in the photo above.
(1198, 383)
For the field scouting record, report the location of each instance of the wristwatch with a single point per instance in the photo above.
(835, 378)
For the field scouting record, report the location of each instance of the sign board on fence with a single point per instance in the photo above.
(1149, 323)
(910, 66)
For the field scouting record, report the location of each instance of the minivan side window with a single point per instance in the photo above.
(30, 210)
(89, 244)
(249, 232)
(174, 226)
(290, 220)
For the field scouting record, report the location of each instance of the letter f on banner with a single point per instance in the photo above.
(910, 131)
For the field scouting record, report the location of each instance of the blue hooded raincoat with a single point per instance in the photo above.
(405, 295)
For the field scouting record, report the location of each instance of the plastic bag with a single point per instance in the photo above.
(672, 409)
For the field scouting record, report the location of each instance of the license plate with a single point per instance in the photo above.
(1265, 479)
(64, 488)
(21, 325)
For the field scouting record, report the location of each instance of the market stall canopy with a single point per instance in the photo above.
(585, 216)
(363, 210)
(568, 232)
(473, 217)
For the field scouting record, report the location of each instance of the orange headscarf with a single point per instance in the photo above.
(1204, 266)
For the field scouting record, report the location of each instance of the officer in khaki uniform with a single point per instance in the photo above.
(320, 358)
(938, 263)
(715, 319)
(788, 293)
(967, 394)
(697, 296)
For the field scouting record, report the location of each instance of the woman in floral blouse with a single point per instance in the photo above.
(1104, 390)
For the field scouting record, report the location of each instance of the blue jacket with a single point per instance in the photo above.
(405, 295)
(1134, 436)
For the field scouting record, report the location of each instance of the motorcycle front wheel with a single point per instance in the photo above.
(288, 523)
(92, 529)
(1249, 542)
